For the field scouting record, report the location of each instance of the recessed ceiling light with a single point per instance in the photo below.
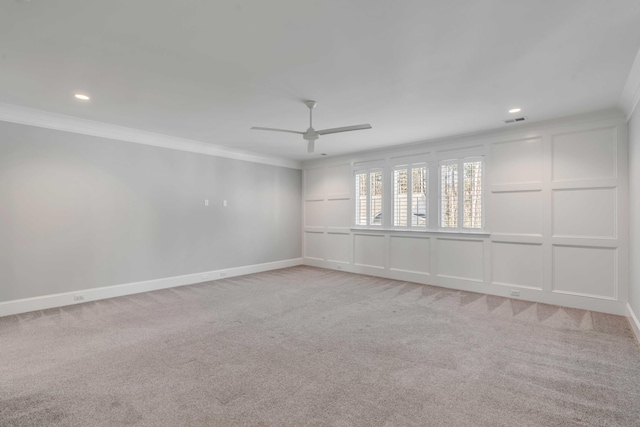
(515, 110)
(82, 97)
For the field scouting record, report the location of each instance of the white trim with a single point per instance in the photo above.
(44, 119)
(635, 323)
(609, 117)
(631, 92)
(25, 305)
(480, 286)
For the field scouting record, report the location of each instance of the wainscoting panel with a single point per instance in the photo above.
(314, 213)
(409, 254)
(337, 179)
(460, 259)
(338, 213)
(314, 245)
(517, 264)
(517, 162)
(585, 212)
(585, 271)
(314, 184)
(517, 212)
(585, 155)
(369, 250)
(338, 247)
(555, 208)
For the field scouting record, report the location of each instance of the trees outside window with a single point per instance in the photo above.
(410, 196)
(466, 210)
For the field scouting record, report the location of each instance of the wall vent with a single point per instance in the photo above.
(516, 120)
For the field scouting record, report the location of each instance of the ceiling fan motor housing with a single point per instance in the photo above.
(311, 134)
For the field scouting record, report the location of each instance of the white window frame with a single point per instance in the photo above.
(409, 166)
(368, 172)
(460, 184)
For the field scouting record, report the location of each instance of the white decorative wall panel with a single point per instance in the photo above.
(409, 254)
(587, 212)
(338, 179)
(369, 250)
(517, 212)
(517, 264)
(338, 247)
(517, 162)
(585, 155)
(314, 184)
(585, 271)
(314, 245)
(462, 259)
(314, 213)
(555, 203)
(338, 213)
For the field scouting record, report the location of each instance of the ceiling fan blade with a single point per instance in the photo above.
(278, 130)
(343, 129)
(310, 146)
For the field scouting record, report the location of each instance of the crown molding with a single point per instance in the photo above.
(44, 119)
(526, 130)
(631, 92)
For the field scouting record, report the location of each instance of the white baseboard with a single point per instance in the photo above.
(474, 285)
(83, 295)
(635, 323)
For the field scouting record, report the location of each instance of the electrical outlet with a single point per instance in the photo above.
(515, 293)
(223, 274)
(78, 297)
(339, 267)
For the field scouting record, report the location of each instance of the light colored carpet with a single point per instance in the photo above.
(307, 346)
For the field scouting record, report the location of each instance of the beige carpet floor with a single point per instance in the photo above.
(306, 346)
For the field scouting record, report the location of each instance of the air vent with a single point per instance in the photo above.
(516, 120)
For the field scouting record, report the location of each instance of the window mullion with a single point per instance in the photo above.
(461, 194)
(409, 196)
(369, 222)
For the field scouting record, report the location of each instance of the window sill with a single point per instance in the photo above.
(481, 233)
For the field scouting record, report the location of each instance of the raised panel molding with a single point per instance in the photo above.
(460, 259)
(517, 264)
(517, 162)
(337, 181)
(533, 239)
(369, 250)
(338, 212)
(555, 210)
(314, 245)
(514, 188)
(517, 212)
(409, 254)
(314, 213)
(585, 155)
(585, 213)
(585, 271)
(314, 184)
(338, 247)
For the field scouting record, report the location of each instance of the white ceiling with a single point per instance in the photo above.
(415, 70)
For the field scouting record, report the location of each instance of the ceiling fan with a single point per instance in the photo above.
(311, 134)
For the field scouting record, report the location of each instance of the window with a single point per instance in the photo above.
(410, 196)
(369, 198)
(473, 194)
(466, 210)
(416, 193)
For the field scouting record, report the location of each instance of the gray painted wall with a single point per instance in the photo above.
(634, 212)
(80, 212)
